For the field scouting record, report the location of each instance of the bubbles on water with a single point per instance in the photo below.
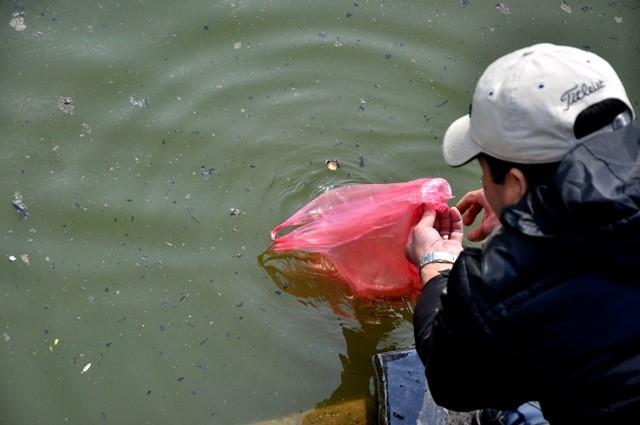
(17, 22)
(137, 101)
(503, 9)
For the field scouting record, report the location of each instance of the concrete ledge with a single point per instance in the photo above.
(403, 393)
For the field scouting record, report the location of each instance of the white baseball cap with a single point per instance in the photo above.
(526, 103)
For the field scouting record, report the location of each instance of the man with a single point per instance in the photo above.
(548, 309)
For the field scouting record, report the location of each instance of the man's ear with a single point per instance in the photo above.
(515, 185)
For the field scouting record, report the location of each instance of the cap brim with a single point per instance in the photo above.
(458, 148)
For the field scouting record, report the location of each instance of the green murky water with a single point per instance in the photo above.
(134, 291)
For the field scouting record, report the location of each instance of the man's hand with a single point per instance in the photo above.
(470, 206)
(435, 232)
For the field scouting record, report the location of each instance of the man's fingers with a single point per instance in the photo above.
(468, 200)
(471, 213)
(457, 228)
(428, 217)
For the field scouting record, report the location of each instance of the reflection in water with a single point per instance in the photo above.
(364, 323)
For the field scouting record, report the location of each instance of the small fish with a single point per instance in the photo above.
(332, 164)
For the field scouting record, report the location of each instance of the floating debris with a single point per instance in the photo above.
(22, 213)
(206, 173)
(77, 205)
(20, 207)
(85, 128)
(332, 164)
(503, 9)
(361, 161)
(86, 368)
(234, 212)
(17, 22)
(65, 104)
(237, 45)
(55, 343)
(565, 7)
(12, 258)
(189, 209)
(25, 259)
(139, 102)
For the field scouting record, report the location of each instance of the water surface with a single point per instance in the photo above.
(197, 127)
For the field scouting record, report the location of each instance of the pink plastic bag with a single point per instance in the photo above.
(362, 230)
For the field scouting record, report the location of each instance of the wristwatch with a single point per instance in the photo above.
(437, 257)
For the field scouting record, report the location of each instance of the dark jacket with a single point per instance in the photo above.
(549, 309)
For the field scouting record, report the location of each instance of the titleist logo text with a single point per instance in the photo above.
(576, 93)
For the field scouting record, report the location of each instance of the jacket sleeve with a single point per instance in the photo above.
(465, 367)
(428, 305)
